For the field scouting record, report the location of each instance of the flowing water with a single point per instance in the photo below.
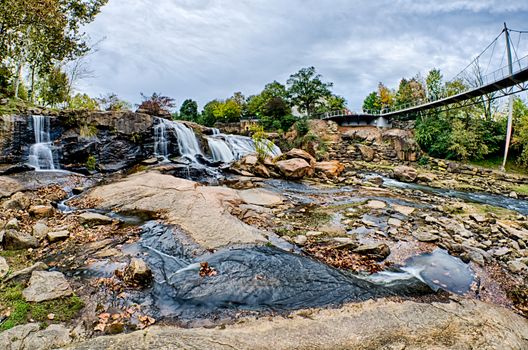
(249, 278)
(41, 152)
(227, 148)
(161, 142)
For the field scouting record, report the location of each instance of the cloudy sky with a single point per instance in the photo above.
(207, 49)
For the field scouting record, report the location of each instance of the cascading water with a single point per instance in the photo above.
(41, 153)
(187, 141)
(227, 148)
(160, 140)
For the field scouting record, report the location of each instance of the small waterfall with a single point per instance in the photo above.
(227, 148)
(220, 151)
(161, 143)
(187, 140)
(40, 153)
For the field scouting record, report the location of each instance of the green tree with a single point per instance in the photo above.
(208, 118)
(520, 131)
(83, 102)
(189, 110)
(307, 90)
(227, 111)
(372, 103)
(54, 89)
(434, 85)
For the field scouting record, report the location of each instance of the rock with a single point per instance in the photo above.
(44, 285)
(18, 201)
(314, 233)
(394, 222)
(403, 209)
(378, 251)
(513, 194)
(257, 196)
(41, 211)
(300, 240)
(250, 160)
(40, 230)
(9, 186)
(516, 266)
(375, 204)
(58, 235)
(53, 337)
(78, 190)
(431, 219)
(426, 177)
(138, 273)
(367, 153)
(30, 337)
(478, 218)
(12, 224)
(4, 267)
(377, 324)
(201, 211)
(14, 240)
(330, 169)
(295, 168)
(261, 170)
(94, 219)
(150, 161)
(39, 266)
(501, 251)
(425, 236)
(405, 173)
(296, 153)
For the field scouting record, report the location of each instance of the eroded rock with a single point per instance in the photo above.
(295, 168)
(44, 285)
(405, 173)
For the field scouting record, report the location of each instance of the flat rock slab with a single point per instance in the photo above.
(44, 285)
(403, 209)
(261, 197)
(89, 218)
(30, 336)
(464, 324)
(9, 186)
(201, 211)
(374, 204)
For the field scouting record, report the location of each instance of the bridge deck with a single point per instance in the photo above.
(518, 77)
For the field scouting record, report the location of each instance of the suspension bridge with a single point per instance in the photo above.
(482, 84)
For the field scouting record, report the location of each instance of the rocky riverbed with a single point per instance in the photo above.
(267, 252)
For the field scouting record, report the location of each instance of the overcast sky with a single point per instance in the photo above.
(207, 49)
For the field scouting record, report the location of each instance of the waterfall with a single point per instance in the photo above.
(160, 139)
(227, 148)
(220, 151)
(40, 153)
(224, 148)
(187, 141)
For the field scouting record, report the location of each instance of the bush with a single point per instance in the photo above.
(302, 127)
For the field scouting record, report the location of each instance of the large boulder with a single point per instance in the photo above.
(298, 153)
(31, 337)
(367, 153)
(201, 211)
(8, 186)
(405, 173)
(14, 240)
(295, 168)
(44, 285)
(382, 324)
(331, 168)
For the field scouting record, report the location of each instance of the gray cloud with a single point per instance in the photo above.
(206, 49)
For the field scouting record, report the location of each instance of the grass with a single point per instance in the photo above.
(22, 311)
(521, 189)
(16, 259)
(496, 162)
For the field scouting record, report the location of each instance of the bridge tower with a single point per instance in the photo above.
(510, 112)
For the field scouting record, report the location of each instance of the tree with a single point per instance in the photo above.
(208, 118)
(434, 86)
(372, 103)
(111, 102)
(83, 102)
(189, 110)
(307, 90)
(520, 131)
(386, 96)
(156, 104)
(42, 33)
(54, 89)
(227, 111)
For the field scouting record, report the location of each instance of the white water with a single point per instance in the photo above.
(160, 140)
(41, 153)
(227, 148)
(224, 148)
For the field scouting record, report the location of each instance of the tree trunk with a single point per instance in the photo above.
(18, 76)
